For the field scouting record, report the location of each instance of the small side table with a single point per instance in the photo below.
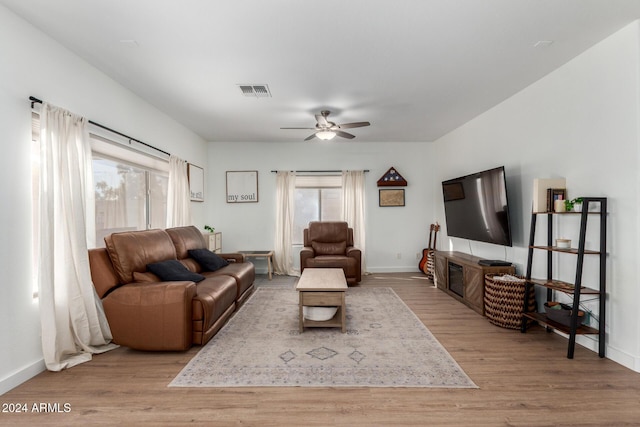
(261, 254)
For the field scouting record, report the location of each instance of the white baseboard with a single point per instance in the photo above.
(394, 270)
(263, 270)
(620, 357)
(625, 359)
(24, 374)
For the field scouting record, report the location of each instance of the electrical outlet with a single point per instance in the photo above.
(417, 255)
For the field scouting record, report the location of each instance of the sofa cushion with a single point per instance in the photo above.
(328, 232)
(215, 298)
(207, 259)
(186, 238)
(146, 277)
(337, 248)
(132, 250)
(173, 270)
(244, 274)
(347, 264)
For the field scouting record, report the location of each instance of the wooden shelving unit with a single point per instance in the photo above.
(214, 241)
(576, 290)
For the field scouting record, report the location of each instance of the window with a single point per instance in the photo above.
(317, 198)
(130, 185)
(130, 188)
(128, 197)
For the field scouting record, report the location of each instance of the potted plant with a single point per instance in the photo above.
(574, 205)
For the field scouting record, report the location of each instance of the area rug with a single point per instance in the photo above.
(385, 345)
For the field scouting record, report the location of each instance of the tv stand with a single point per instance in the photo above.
(494, 263)
(462, 276)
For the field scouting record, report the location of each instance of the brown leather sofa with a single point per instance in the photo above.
(146, 313)
(329, 244)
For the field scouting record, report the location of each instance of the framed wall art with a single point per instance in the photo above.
(391, 197)
(242, 186)
(196, 182)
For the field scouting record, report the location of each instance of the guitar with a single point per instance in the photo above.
(426, 263)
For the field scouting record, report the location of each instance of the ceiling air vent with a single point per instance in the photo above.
(256, 91)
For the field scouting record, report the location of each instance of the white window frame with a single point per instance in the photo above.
(115, 150)
(318, 182)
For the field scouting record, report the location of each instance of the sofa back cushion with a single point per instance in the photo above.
(185, 239)
(328, 232)
(338, 248)
(132, 250)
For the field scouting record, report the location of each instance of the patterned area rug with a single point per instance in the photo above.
(385, 345)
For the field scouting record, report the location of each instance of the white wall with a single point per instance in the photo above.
(580, 122)
(390, 230)
(34, 64)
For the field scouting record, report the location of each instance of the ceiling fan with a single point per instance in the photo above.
(327, 130)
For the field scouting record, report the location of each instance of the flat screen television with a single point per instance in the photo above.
(476, 207)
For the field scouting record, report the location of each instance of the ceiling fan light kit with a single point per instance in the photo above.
(326, 135)
(326, 130)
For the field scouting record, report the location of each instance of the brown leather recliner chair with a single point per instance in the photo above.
(330, 245)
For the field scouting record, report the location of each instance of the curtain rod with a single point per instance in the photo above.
(319, 171)
(36, 100)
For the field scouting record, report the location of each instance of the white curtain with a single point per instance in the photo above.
(179, 197)
(353, 202)
(285, 209)
(73, 322)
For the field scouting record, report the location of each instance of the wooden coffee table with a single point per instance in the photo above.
(323, 287)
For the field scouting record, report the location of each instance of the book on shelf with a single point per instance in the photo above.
(554, 194)
(540, 186)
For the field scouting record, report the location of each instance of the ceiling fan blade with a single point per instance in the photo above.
(353, 125)
(344, 134)
(310, 137)
(322, 120)
(300, 128)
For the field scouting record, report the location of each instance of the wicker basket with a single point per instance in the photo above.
(430, 264)
(503, 301)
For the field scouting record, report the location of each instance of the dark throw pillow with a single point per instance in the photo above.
(207, 259)
(173, 270)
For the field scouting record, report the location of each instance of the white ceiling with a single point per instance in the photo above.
(416, 69)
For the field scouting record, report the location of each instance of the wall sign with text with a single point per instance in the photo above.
(196, 182)
(242, 186)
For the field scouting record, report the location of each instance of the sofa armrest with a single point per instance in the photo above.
(306, 253)
(353, 252)
(151, 315)
(233, 257)
(356, 253)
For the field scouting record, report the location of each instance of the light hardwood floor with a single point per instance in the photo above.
(523, 380)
